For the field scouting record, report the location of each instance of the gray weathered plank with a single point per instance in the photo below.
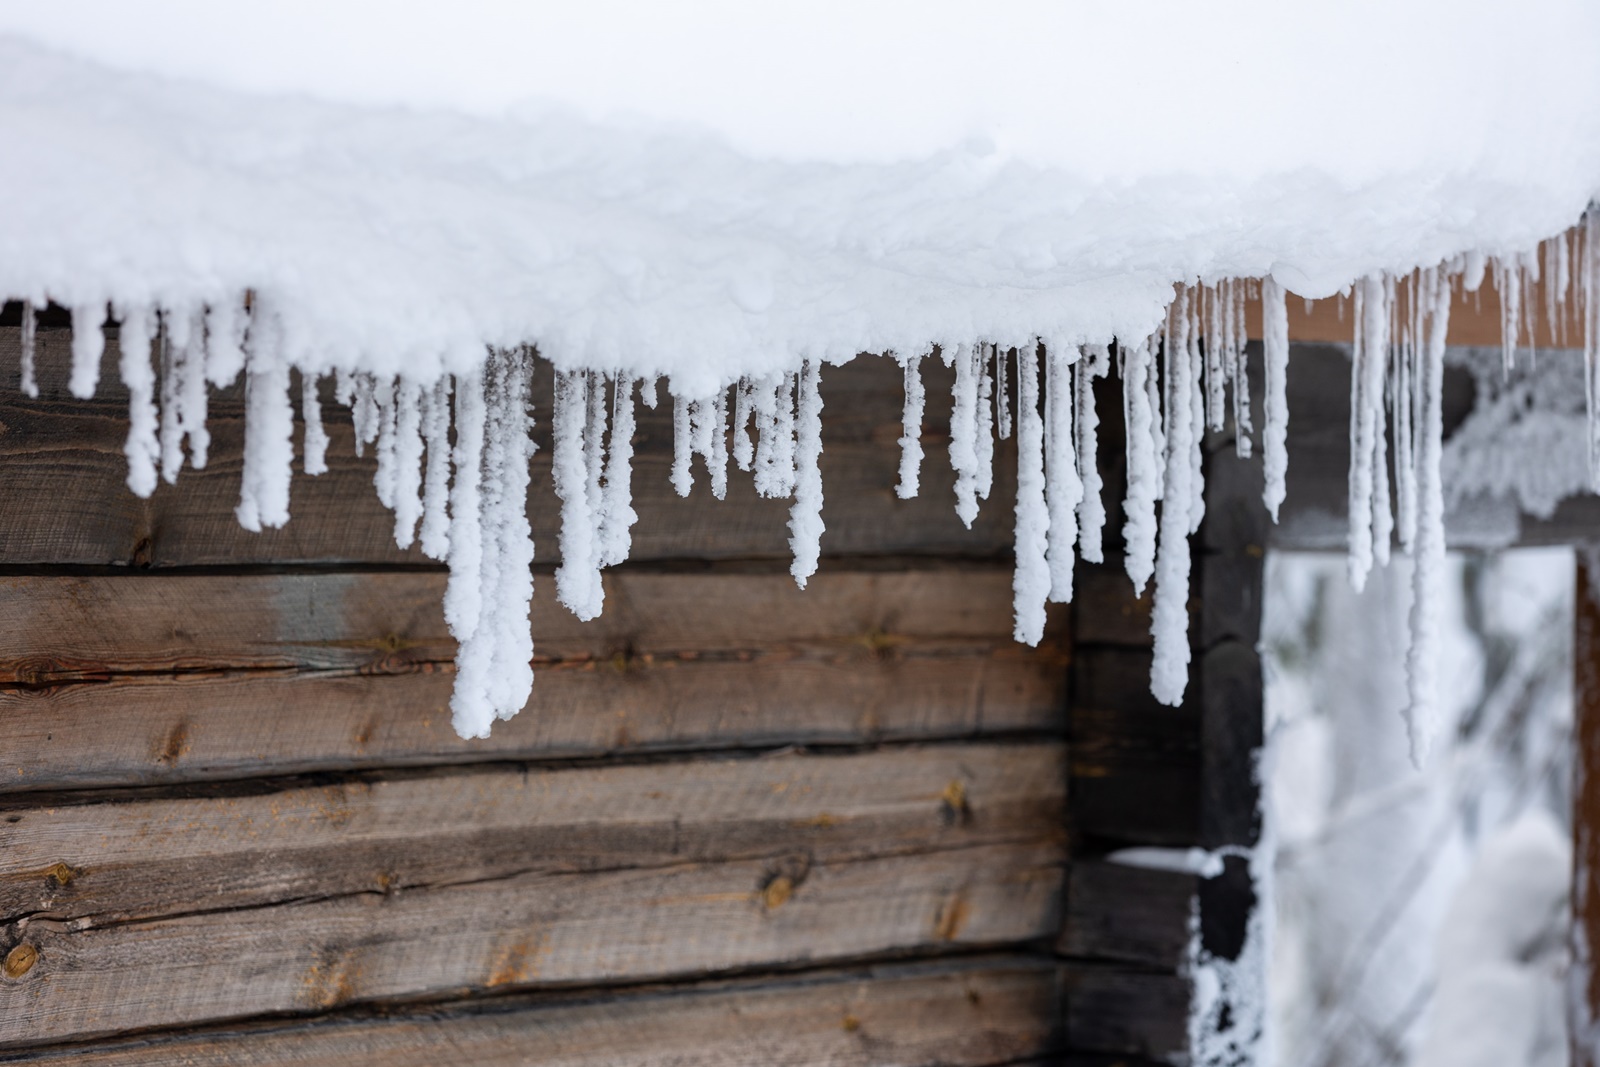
(526, 930)
(1135, 1013)
(65, 494)
(1127, 914)
(957, 1014)
(129, 860)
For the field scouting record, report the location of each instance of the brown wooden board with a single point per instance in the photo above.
(67, 502)
(145, 679)
(963, 1013)
(124, 861)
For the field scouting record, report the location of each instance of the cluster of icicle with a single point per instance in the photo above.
(453, 453)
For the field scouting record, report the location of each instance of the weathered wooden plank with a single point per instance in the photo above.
(1127, 914)
(525, 930)
(123, 861)
(1105, 609)
(351, 671)
(957, 1014)
(56, 629)
(1130, 1012)
(65, 495)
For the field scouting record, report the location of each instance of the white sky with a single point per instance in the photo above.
(1105, 89)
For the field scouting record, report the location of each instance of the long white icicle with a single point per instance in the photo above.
(1143, 460)
(1063, 487)
(805, 514)
(964, 433)
(1169, 669)
(142, 448)
(578, 583)
(88, 345)
(911, 429)
(1275, 364)
(1422, 658)
(1030, 580)
(1094, 363)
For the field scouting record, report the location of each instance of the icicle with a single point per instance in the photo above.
(983, 430)
(1366, 414)
(1095, 363)
(173, 333)
(88, 345)
(1063, 487)
(1473, 270)
(911, 429)
(1139, 529)
(384, 479)
(268, 441)
(407, 461)
(594, 451)
(494, 672)
(647, 391)
(1235, 337)
(1158, 437)
(225, 332)
(1002, 410)
(1400, 411)
(1215, 371)
(1508, 280)
(463, 595)
(744, 449)
(718, 459)
(142, 447)
(344, 388)
(1197, 421)
(964, 435)
(192, 398)
(1422, 658)
(578, 577)
(784, 474)
(617, 515)
(1275, 360)
(314, 438)
(805, 515)
(364, 411)
(30, 384)
(682, 446)
(1590, 280)
(1169, 669)
(1030, 581)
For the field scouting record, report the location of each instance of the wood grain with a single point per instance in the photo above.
(67, 501)
(1127, 914)
(524, 930)
(116, 862)
(173, 678)
(957, 1014)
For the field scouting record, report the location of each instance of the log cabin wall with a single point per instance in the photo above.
(738, 823)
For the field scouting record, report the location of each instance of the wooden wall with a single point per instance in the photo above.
(737, 823)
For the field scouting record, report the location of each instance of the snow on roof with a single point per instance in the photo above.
(736, 196)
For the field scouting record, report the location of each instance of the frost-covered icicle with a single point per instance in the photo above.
(1030, 581)
(225, 334)
(1234, 338)
(1508, 281)
(782, 474)
(578, 583)
(1590, 280)
(744, 449)
(1139, 528)
(1427, 577)
(384, 477)
(494, 671)
(1169, 669)
(88, 345)
(142, 448)
(1275, 364)
(268, 436)
(314, 438)
(30, 383)
(1197, 421)
(718, 459)
(407, 459)
(983, 430)
(463, 594)
(682, 446)
(192, 398)
(364, 410)
(594, 448)
(1366, 416)
(1063, 487)
(1208, 298)
(805, 514)
(1401, 367)
(616, 508)
(1002, 409)
(172, 339)
(964, 434)
(647, 391)
(911, 429)
(1094, 363)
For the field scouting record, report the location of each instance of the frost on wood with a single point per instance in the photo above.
(452, 443)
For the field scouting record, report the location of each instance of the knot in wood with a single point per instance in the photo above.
(20, 960)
